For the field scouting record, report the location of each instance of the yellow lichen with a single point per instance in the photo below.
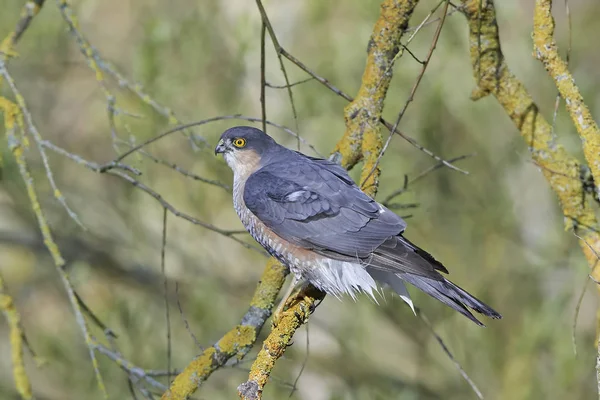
(240, 336)
(16, 343)
(186, 383)
(363, 113)
(544, 49)
(270, 284)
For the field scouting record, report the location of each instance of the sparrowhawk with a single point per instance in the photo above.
(309, 214)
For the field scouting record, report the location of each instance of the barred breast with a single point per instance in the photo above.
(296, 258)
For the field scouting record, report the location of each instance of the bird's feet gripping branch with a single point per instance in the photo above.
(309, 214)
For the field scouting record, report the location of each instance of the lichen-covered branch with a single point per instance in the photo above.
(235, 343)
(17, 344)
(561, 170)
(362, 140)
(545, 50)
(28, 12)
(298, 309)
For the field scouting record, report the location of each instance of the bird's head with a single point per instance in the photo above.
(243, 147)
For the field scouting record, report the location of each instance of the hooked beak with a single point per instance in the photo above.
(221, 147)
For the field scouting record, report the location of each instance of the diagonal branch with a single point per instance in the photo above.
(235, 343)
(493, 77)
(545, 50)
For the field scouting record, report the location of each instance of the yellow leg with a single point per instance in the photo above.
(286, 295)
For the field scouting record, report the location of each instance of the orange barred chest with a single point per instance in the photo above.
(296, 258)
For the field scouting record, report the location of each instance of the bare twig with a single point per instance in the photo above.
(272, 86)
(589, 277)
(263, 80)
(165, 204)
(304, 362)
(116, 161)
(166, 289)
(127, 366)
(29, 11)
(185, 321)
(32, 129)
(349, 98)
(267, 25)
(449, 354)
(420, 176)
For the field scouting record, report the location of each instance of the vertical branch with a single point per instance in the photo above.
(263, 81)
(362, 138)
(166, 289)
(278, 49)
(17, 344)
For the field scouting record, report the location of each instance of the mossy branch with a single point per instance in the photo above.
(361, 141)
(561, 170)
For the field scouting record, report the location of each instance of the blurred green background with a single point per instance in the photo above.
(498, 230)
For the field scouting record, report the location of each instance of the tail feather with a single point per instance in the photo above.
(398, 260)
(395, 283)
(451, 295)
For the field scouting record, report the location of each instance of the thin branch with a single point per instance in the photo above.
(99, 66)
(32, 129)
(263, 80)
(420, 176)
(440, 341)
(347, 97)
(127, 365)
(589, 277)
(304, 362)
(116, 161)
(185, 321)
(267, 24)
(166, 289)
(300, 82)
(165, 204)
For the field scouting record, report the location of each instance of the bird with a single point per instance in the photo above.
(309, 214)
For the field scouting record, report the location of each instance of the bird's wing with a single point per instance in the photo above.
(318, 206)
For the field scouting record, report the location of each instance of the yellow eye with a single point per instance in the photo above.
(239, 142)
